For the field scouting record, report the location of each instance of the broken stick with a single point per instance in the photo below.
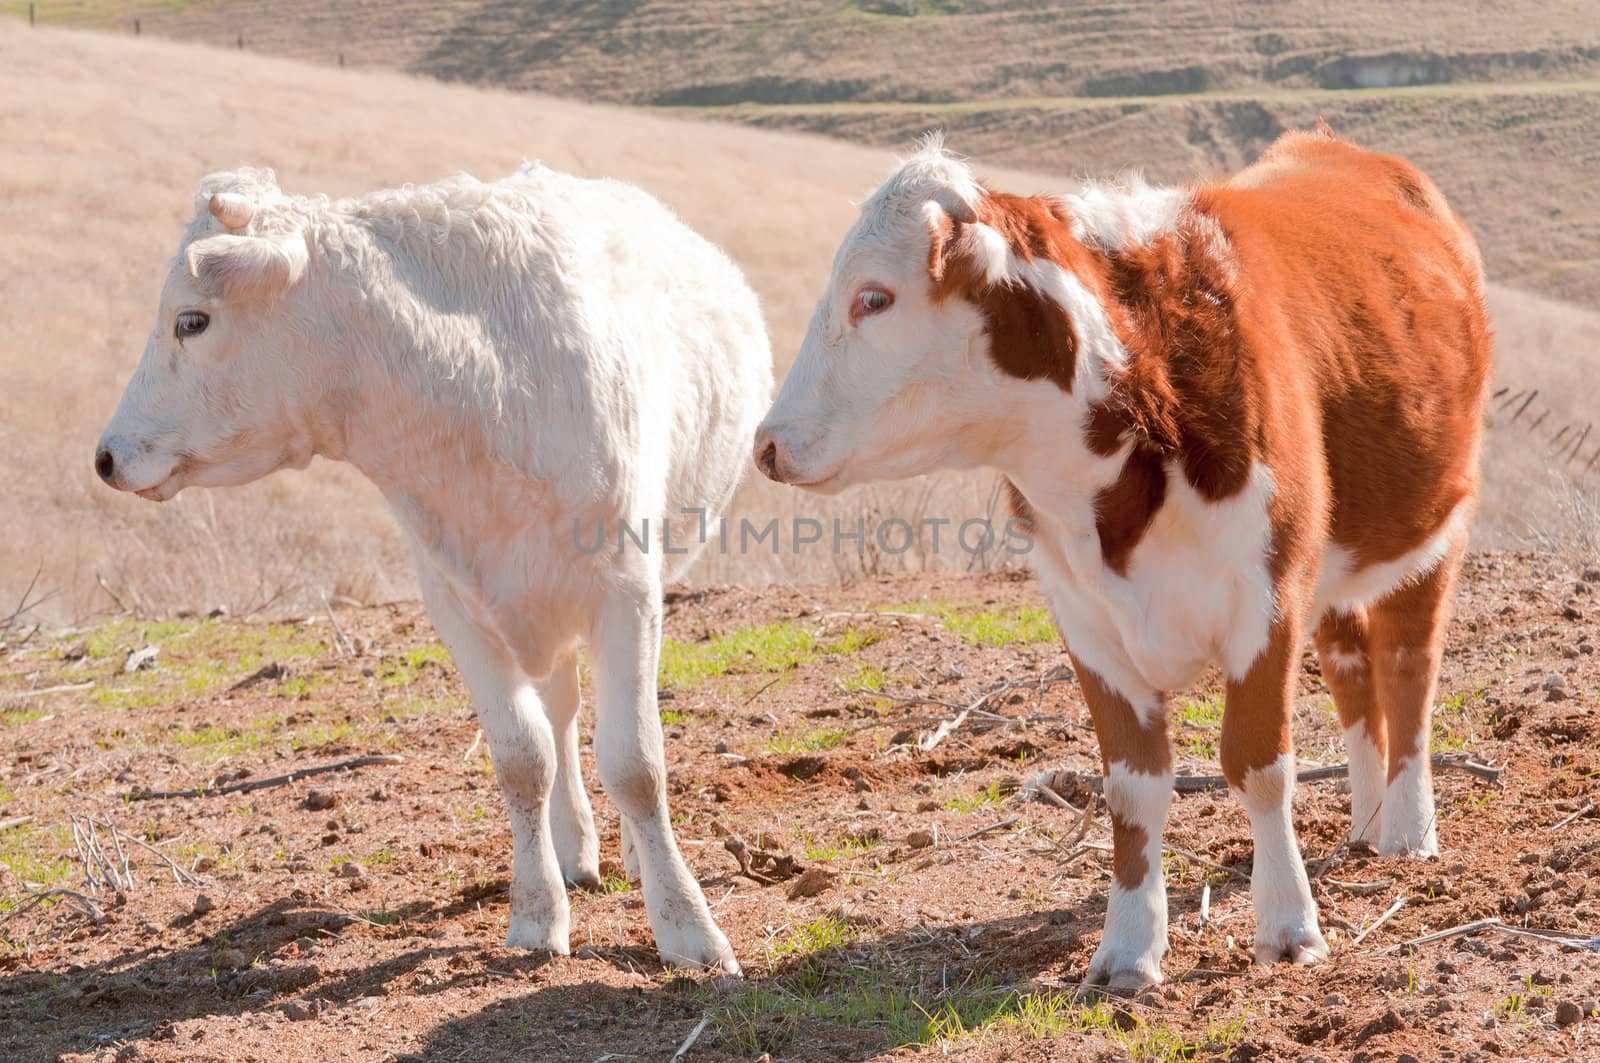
(262, 784)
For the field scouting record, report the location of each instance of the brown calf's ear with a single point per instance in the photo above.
(247, 266)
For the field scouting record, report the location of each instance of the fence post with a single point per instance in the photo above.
(30, 14)
(241, 42)
(136, 27)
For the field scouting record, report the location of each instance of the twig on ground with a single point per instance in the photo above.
(1554, 937)
(763, 689)
(1064, 779)
(990, 829)
(15, 821)
(688, 1042)
(96, 916)
(1440, 935)
(477, 740)
(1399, 903)
(342, 641)
(944, 730)
(64, 688)
(1361, 889)
(1588, 807)
(262, 784)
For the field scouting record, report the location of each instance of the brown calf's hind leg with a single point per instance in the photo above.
(1137, 759)
(1258, 761)
(1407, 641)
(1343, 647)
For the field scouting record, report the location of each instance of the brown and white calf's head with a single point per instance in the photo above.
(217, 398)
(942, 294)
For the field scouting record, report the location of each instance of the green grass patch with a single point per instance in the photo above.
(866, 677)
(846, 846)
(1204, 712)
(898, 1010)
(673, 716)
(403, 670)
(769, 648)
(810, 938)
(785, 744)
(1455, 726)
(198, 657)
(991, 628)
(42, 856)
(852, 640)
(989, 795)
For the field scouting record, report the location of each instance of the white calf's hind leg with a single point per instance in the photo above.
(628, 750)
(571, 820)
(522, 746)
(630, 853)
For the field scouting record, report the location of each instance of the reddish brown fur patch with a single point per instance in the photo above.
(1255, 723)
(1140, 747)
(1407, 638)
(1030, 334)
(1124, 511)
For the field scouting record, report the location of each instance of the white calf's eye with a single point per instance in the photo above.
(192, 323)
(870, 301)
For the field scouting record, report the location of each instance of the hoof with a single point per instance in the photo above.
(588, 881)
(700, 950)
(526, 935)
(1123, 973)
(1300, 947)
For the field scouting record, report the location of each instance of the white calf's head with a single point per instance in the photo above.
(220, 395)
(898, 371)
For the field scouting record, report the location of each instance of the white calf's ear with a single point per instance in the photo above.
(247, 266)
(232, 209)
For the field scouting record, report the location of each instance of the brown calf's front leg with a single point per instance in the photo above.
(1344, 648)
(1137, 760)
(1258, 762)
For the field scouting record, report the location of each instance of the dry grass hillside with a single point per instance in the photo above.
(1494, 100)
(106, 138)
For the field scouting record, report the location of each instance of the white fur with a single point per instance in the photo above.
(1344, 588)
(1369, 773)
(1135, 937)
(1114, 217)
(1158, 627)
(508, 362)
(1286, 916)
(1409, 821)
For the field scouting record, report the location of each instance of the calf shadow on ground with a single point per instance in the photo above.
(864, 994)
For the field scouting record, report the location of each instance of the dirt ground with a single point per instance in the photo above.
(914, 903)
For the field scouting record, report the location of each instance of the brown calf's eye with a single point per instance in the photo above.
(192, 323)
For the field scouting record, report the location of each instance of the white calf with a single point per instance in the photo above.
(510, 363)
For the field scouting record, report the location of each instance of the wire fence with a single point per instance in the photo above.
(1566, 443)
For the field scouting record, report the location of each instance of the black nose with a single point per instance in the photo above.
(105, 464)
(767, 461)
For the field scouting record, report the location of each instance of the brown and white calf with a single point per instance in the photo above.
(1237, 415)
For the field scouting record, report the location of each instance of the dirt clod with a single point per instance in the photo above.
(1567, 1013)
(320, 800)
(919, 839)
(812, 882)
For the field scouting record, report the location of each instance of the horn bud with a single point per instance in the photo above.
(231, 209)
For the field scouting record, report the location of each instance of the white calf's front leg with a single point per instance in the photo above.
(628, 750)
(522, 745)
(571, 820)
